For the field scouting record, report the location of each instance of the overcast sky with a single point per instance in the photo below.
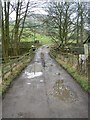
(41, 3)
(37, 10)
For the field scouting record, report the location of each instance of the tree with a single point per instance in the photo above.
(5, 29)
(0, 29)
(59, 18)
(21, 13)
(13, 40)
(66, 22)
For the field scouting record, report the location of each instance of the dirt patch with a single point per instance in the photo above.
(20, 114)
(63, 92)
(25, 115)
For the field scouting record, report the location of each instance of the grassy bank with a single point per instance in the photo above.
(82, 80)
(6, 82)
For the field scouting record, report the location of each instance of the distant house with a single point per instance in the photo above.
(87, 47)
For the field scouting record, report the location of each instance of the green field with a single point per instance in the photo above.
(28, 36)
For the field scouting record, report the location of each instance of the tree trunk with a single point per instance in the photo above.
(82, 28)
(23, 21)
(3, 38)
(5, 30)
(16, 32)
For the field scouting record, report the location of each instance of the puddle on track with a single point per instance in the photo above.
(32, 74)
(41, 81)
(29, 83)
(63, 92)
(20, 114)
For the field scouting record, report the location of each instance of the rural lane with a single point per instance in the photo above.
(45, 90)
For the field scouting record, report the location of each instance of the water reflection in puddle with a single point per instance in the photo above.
(32, 74)
(29, 83)
(41, 81)
(63, 92)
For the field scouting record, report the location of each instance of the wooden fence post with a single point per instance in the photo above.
(89, 68)
(11, 65)
(2, 72)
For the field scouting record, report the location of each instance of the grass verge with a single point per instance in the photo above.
(9, 79)
(82, 80)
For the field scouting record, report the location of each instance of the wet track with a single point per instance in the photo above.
(45, 90)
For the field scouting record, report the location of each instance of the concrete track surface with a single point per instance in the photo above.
(45, 90)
